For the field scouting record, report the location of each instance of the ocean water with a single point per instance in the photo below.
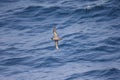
(90, 49)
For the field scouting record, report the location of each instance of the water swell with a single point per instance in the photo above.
(13, 61)
(97, 74)
(89, 49)
(4, 1)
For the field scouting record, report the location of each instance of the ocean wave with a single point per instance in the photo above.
(97, 74)
(4, 1)
(89, 49)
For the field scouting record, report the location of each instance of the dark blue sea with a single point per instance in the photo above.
(89, 49)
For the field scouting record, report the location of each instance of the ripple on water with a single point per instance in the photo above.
(90, 32)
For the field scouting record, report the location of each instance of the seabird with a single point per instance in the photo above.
(55, 38)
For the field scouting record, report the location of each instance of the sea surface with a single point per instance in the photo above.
(89, 50)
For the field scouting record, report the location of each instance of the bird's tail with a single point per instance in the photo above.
(56, 44)
(57, 47)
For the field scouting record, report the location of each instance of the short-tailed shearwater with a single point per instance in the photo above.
(56, 38)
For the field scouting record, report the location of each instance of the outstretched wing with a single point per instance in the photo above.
(54, 32)
(56, 44)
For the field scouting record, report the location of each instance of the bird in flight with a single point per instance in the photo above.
(56, 38)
